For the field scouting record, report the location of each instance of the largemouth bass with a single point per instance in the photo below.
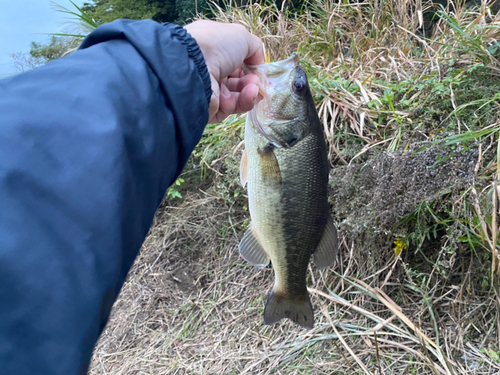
(286, 167)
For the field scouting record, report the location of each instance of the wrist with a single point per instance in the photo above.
(196, 55)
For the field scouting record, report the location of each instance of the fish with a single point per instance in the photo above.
(286, 168)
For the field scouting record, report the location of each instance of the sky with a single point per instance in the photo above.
(26, 21)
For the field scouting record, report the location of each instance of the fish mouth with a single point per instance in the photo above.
(270, 72)
(287, 64)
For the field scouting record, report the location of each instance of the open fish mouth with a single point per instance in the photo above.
(287, 64)
(273, 76)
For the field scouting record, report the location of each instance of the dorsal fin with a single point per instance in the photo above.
(252, 251)
(326, 252)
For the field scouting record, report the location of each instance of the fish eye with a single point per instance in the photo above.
(299, 85)
(292, 141)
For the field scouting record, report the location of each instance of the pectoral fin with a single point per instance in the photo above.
(252, 251)
(244, 168)
(327, 249)
(269, 166)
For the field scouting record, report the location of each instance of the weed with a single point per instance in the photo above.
(173, 191)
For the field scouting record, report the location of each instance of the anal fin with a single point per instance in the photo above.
(252, 251)
(326, 252)
(298, 310)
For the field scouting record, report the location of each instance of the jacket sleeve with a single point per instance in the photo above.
(89, 144)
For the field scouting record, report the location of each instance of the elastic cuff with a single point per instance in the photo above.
(195, 54)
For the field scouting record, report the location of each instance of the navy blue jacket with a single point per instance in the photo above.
(89, 144)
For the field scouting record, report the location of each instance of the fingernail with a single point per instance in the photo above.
(256, 99)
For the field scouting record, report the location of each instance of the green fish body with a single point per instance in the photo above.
(286, 167)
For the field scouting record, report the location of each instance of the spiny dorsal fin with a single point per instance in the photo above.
(326, 252)
(244, 168)
(298, 310)
(252, 251)
(270, 169)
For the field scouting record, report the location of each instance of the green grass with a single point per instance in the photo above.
(80, 21)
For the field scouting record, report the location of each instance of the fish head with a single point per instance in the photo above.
(284, 102)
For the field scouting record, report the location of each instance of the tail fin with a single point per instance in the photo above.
(298, 310)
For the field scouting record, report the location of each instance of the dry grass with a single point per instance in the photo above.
(191, 305)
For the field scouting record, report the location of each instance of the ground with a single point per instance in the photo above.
(191, 305)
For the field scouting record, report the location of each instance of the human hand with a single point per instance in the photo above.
(225, 48)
